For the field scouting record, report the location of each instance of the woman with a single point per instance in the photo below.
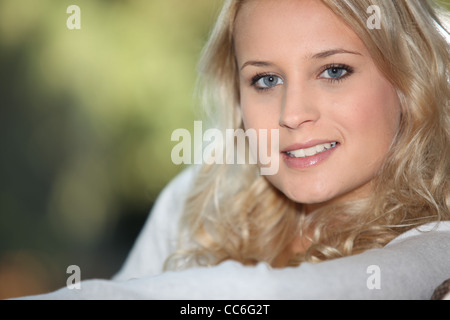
(323, 78)
(358, 92)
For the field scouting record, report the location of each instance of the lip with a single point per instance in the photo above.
(307, 162)
(306, 145)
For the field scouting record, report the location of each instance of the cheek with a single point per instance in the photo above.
(258, 114)
(375, 112)
(386, 112)
(247, 118)
(373, 123)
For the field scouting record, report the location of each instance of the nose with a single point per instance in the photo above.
(298, 107)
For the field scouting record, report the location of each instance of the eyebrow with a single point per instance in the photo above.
(320, 55)
(327, 53)
(256, 64)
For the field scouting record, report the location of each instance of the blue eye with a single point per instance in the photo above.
(266, 81)
(335, 73)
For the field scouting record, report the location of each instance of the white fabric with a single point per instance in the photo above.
(410, 267)
(159, 235)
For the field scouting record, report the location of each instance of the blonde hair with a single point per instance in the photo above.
(235, 213)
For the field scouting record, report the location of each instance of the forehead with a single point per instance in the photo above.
(300, 26)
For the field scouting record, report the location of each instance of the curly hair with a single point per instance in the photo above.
(235, 213)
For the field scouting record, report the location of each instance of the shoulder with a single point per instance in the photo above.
(410, 267)
(171, 199)
(169, 205)
(428, 228)
(158, 237)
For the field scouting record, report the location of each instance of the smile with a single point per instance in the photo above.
(309, 152)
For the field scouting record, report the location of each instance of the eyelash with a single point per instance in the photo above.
(349, 71)
(345, 67)
(258, 77)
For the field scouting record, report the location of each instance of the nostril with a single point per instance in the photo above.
(294, 115)
(293, 122)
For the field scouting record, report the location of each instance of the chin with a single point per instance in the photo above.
(309, 199)
(311, 195)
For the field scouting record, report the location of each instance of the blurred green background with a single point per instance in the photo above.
(86, 118)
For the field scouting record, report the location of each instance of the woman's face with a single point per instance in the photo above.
(305, 72)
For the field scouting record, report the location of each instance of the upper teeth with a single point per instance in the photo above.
(302, 153)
